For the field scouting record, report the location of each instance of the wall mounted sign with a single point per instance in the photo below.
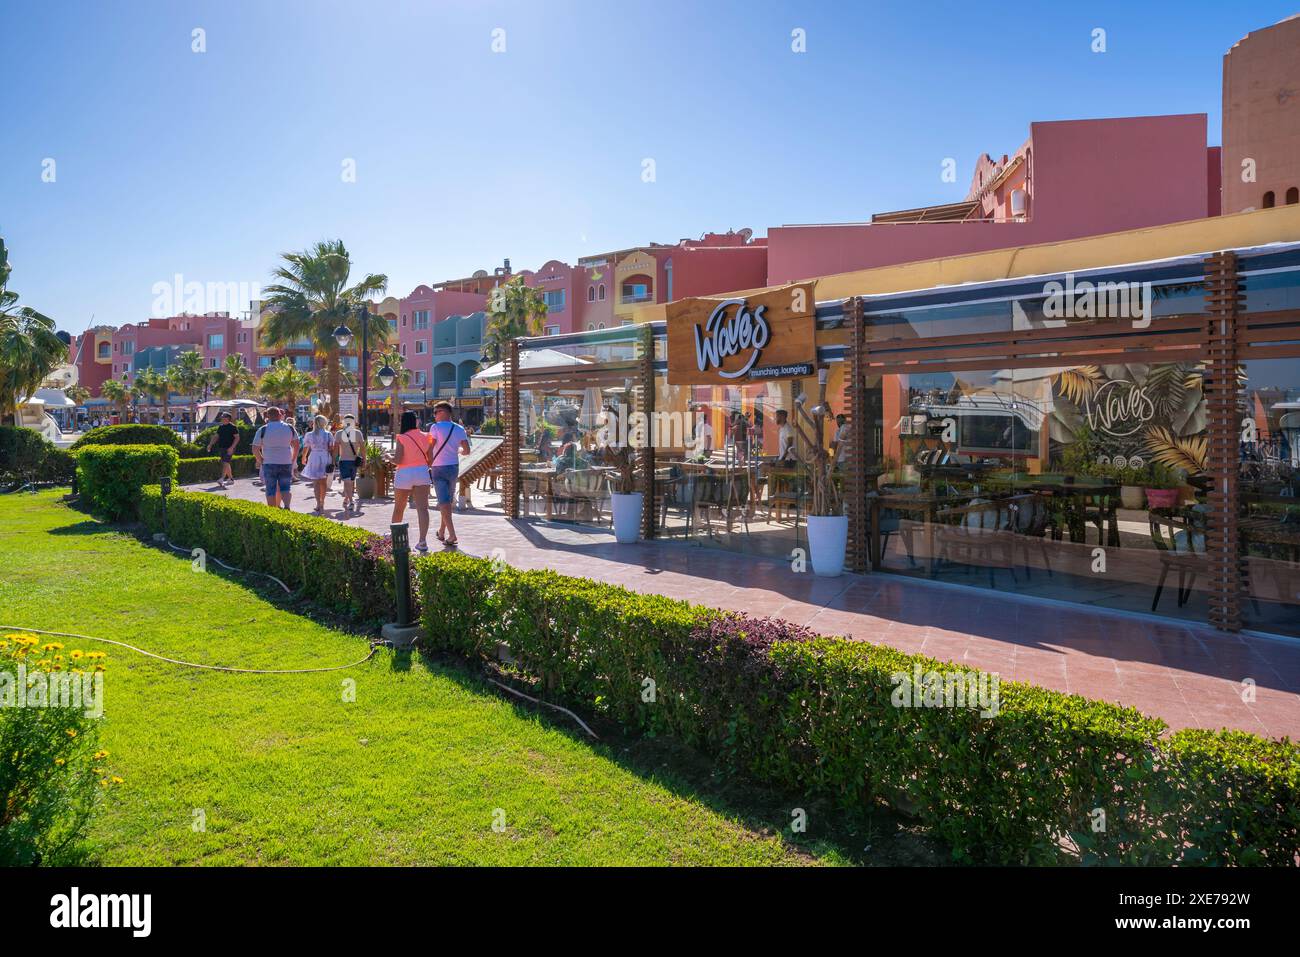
(769, 335)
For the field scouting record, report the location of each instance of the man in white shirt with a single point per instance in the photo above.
(703, 434)
(784, 437)
(275, 446)
(450, 442)
(349, 455)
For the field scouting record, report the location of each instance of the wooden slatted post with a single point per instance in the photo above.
(511, 422)
(646, 454)
(1224, 292)
(855, 400)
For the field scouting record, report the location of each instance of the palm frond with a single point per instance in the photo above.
(1186, 452)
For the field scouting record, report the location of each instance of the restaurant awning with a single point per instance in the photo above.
(494, 374)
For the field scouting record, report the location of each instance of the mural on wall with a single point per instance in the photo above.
(1135, 414)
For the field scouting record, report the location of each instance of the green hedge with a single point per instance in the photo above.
(208, 468)
(245, 446)
(26, 456)
(110, 477)
(1029, 784)
(332, 564)
(812, 715)
(130, 434)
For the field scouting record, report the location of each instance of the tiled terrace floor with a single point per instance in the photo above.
(1191, 676)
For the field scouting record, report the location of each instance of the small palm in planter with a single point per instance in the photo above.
(828, 526)
(626, 500)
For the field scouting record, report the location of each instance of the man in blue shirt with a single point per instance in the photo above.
(450, 442)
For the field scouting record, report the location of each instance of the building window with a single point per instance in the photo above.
(392, 325)
(591, 294)
(264, 362)
(419, 377)
(302, 362)
(591, 327)
(554, 300)
(1268, 200)
(105, 350)
(420, 319)
(212, 363)
(636, 292)
(551, 331)
(128, 348)
(403, 350)
(1293, 196)
(216, 340)
(668, 272)
(421, 346)
(600, 292)
(600, 325)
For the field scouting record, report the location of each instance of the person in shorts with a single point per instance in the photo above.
(411, 478)
(449, 443)
(275, 445)
(225, 440)
(350, 454)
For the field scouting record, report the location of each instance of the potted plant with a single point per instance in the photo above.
(828, 526)
(1130, 482)
(373, 479)
(626, 501)
(1163, 487)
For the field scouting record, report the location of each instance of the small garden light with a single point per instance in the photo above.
(386, 375)
(343, 336)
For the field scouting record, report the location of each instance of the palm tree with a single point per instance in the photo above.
(312, 298)
(401, 377)
(119, 394)
(190, 377)
(30, 348)
(156, 386)
(285, 382)
(234, 378)
(77, 393)
(514, 310)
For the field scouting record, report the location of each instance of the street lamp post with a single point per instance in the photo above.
(343, 336)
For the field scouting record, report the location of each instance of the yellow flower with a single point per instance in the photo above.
(77, 654)
(100, 668)
(117, 780)
(103, 782)
(70, 733)
(100, 754)
(53, 646)
(60, 762)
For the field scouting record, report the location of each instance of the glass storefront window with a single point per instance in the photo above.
(1078, 483)
(1268, 489)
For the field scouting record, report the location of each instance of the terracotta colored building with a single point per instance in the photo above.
(1261, 119)
(1070, 179)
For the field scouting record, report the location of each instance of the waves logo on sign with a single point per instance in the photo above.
(726, 334)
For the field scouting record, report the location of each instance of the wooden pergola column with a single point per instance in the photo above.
(855, 400)
(511, 421)
(1224, 292)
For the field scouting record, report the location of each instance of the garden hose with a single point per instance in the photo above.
(232, 568)
(375, 646)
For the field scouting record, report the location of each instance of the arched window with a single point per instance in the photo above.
(591, 327)
(591, 294)
(601, 326)
(1268, 200)
(600, 294)
(1293, 196)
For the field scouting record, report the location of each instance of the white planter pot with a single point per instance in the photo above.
(627, 516)
(828, 536)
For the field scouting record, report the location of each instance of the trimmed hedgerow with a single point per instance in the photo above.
(1048, 778)
(27, 456)
(110, 477)
(246, 433)
(130, 434)
(208, 469)
(327, 562)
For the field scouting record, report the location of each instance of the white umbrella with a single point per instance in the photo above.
(494, 374)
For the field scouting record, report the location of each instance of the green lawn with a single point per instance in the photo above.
(286, 772)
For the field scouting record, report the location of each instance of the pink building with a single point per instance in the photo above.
(119, 353)
(421, 329)
(563, 287)
(1070, 179)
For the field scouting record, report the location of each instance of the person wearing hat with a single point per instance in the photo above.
(349, 455)
(225, 438)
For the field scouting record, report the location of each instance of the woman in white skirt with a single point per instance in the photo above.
(411, 480)
(318, 447)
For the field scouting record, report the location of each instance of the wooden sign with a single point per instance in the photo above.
(770, 335)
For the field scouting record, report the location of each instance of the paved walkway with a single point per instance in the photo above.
(1191, 676)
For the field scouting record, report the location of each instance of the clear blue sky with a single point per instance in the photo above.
(211, 164)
